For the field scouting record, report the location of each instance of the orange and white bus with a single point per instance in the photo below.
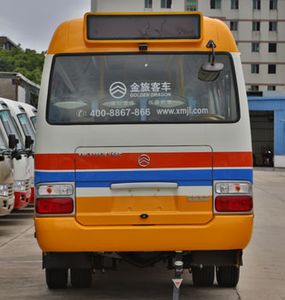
(143, 147)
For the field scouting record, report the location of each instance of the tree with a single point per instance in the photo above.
(27, 62)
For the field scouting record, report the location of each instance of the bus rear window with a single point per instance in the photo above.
(140, 88)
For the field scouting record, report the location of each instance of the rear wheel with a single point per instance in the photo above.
(228, 276)
(81, 278)
(56, 278)
(203, 276)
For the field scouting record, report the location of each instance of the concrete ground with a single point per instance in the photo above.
(262, 276)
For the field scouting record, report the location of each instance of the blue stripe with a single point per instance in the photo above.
(182, 177)
(233, 174)
(54, 177)
(141, 176)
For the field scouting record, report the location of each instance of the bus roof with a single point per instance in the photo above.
(70, 38)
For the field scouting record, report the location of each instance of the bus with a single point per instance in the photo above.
(143, 148)
(25, 119)
(6, 167)
(22, 171)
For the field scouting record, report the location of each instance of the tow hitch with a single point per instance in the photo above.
(178, 271)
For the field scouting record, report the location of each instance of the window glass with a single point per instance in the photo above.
(3, 144)
(145, 88)
(255, 47)
(256, 4)
(234, 4)
(254, 88)
(272, 26)
(272, 47)
(34, 121)
(215, 4)
(273, 4)
(254, 68)
(272, 69)
(26, 125)
(166, 3)
(191, 5)
(255, 26)
(10, 126)
(233, 25)
(148, 3)
(271, 88)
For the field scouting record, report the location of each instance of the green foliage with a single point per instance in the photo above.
(27, 62)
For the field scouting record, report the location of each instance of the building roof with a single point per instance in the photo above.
(5, 39)
(22, 80)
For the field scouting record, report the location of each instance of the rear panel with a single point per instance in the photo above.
(150, 185)
(156, 173)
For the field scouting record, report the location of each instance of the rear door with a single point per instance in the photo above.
(143, 185)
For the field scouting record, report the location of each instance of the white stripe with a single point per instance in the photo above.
(234, 168)
(54, 171)
(139, 150)
(143, 170)
(181, 191)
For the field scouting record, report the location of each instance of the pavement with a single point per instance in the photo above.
(262, 276)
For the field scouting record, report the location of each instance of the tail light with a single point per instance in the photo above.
(233, 204)
(54, 206)
(233, 197)
(55, 199)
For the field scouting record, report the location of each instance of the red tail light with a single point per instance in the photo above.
(54, 205)
(233, 203)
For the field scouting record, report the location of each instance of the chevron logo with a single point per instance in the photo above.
(144, 160)
(118, 90)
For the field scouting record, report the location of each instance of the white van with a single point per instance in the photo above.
(22, 158)
(6, 168)
(27, 122)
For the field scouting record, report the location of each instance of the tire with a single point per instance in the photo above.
(203, 276)
(228, 276)
(81, 278)
(56, 278)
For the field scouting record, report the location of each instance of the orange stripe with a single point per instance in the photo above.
(157, 160)
(232, 159)
(55, 161)
(130, 161)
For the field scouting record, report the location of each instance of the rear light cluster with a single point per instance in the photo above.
(55, 199)
(233, 197)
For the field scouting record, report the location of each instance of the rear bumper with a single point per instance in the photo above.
(64, 234)
(22, 199)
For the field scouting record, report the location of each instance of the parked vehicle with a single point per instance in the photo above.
(143, 147)
(27, 122)
(21, 162)
(6, 169)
